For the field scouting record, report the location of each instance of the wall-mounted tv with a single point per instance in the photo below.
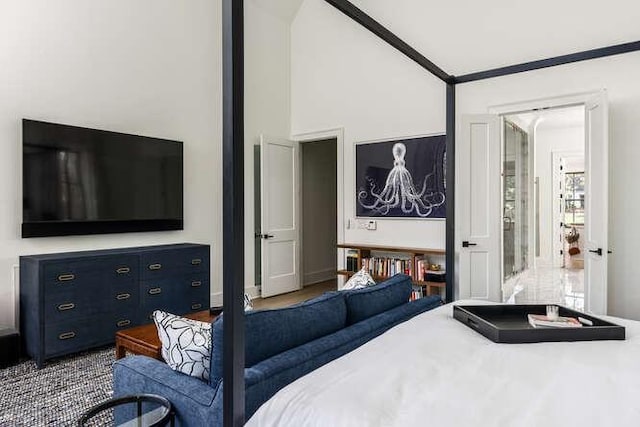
(86, 181)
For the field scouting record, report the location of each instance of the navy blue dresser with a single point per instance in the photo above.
(78, 300)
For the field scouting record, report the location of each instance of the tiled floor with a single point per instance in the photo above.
(547, 285)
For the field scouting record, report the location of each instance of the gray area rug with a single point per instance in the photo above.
(59, 393)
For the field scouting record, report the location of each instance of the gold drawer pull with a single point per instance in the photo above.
(196, 261)
(196, 306)
(196, 284)
(66, 277)
(123, 296)
(155, 266)
(123, 270)
(122, 323)
(67, 306)
(155, 291)
(67, 336)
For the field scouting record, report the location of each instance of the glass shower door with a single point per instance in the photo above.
(515, 203)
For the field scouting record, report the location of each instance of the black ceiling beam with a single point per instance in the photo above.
(233, 212)
(550, 62)
(379, 30)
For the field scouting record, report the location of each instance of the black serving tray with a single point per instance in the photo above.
(509, 324)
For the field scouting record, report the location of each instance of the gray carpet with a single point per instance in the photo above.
(59, 393)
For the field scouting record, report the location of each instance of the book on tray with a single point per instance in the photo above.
(542, 321)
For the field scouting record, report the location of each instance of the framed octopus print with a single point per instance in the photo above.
(403, 178)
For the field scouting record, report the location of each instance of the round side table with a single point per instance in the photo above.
(150, 411)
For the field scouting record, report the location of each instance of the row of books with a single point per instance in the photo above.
(416, 293)
(386, 267)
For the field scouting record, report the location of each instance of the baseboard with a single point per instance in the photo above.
(319, 276)
(216, 299)
(253, 291)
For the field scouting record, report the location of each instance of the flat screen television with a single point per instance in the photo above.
(86, 181)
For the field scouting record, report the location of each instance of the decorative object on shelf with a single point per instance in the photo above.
(361, 279)
(186, 343)
(572, 238)
(402, 178)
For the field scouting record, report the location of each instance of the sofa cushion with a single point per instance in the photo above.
(269, 332)
(360, 280)
(186, 343)
(366, 302)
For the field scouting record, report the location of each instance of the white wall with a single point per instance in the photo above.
(618, 75)
(343, 76)
(267, 100)
(548, 140)
(150, 67)
(319, 211)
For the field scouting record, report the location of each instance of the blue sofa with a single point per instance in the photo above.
(281, 346)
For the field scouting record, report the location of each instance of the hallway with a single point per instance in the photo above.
(546, 284)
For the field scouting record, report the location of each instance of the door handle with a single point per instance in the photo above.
(466, 244)
(596, 251)
(268, 236)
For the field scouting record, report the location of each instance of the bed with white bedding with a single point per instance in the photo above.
(434, 371)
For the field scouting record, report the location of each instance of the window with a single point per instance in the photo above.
(574, 198)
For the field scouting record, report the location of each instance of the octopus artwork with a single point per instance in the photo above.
(400, 193)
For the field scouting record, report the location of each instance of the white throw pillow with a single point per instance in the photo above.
(361, 279)
(186, 343)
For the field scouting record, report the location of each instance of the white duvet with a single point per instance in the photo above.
(434, 371)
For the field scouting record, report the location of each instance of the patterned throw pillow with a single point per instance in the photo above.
(361, 279)
(186, 343)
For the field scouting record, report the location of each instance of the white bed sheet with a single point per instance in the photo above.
(434, 371)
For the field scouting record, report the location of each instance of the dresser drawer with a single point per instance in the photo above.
(156, 264)
(124, 297)
(73, 282)
(67, 337)
(66, 306)
(121, 268)
(69, 272)
(157, 293)
(124, 320)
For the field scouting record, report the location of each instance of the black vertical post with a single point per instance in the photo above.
(233, 210)
(451, 192)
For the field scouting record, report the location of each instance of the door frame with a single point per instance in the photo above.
(338, 135)
(547, 103)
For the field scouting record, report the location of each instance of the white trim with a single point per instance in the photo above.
(560, 101)
(253, 291)
(319, 276)
(215, 299)
(338, 135)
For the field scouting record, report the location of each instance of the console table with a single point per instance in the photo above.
(74, 301)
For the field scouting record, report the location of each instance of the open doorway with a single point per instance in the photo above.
(544, 207)
(319, 210)
(296, 215)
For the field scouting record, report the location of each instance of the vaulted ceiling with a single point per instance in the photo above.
(465, 36)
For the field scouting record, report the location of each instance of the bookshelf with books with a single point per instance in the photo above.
(383, 262)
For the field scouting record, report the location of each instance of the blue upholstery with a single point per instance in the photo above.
(282, 346)
(269, 332)
(366, 302)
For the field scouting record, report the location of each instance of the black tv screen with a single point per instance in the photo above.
(87, 181)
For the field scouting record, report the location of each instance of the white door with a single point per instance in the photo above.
(479, 219)
(596, 203)
(280, 225)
